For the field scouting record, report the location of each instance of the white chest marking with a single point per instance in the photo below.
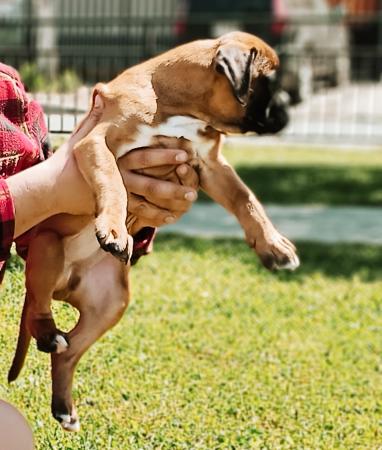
(177, 127)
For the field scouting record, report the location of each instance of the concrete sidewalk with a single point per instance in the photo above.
(312, 223)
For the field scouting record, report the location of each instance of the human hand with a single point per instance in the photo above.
(157, 202)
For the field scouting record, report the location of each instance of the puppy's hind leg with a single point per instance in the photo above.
(100, 309)
(43, 267)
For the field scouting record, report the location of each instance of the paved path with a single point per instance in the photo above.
(353, 111)
(313, 223)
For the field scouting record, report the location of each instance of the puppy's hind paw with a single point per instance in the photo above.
(53, 343)
(65, 412)
(69, 422)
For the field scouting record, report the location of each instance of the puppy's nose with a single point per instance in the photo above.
(277, 116)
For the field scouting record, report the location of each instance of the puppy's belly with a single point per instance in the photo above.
(81, 252)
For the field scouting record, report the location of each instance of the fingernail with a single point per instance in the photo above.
(190, 196)
(181, 157)
(169, 219)
(182, 170)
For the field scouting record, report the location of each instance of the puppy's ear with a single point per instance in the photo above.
(96, 107)
(98, 96)
(238, 66)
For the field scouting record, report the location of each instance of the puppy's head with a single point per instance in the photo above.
(245, 95)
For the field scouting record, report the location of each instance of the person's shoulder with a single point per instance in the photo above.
(9, 72)
(11, 88)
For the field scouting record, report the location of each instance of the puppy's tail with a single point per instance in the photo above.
(22, 347)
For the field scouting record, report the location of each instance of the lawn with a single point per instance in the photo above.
(216, 353)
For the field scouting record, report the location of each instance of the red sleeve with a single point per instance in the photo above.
(23, 142)
(7, 221)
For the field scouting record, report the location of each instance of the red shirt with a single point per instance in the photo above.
(23, 143)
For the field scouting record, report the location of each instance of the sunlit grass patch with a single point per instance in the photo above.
(216, 353)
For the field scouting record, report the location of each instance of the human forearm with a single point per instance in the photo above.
(30, 191)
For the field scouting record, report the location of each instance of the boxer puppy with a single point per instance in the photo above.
(186, 98)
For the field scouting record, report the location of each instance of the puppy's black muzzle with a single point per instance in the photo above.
(267, 111)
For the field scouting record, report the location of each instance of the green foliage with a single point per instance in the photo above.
(67, 81)
(35, 80)
(216, 353)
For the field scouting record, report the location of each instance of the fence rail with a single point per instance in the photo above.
(331, 65)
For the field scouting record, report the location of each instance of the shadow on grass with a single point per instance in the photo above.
(337, 261)
(344, 185)
(15, 263)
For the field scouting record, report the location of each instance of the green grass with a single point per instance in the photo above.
(216, 353)
(301, 156)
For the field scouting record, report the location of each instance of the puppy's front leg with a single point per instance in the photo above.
(98, 166)
(220, 181)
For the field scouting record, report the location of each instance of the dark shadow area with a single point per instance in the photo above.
(15, 264)
(337, 260)
(341, 260)
(347, 185)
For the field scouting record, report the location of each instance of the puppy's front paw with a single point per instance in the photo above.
(114, 239)
(276, 252)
